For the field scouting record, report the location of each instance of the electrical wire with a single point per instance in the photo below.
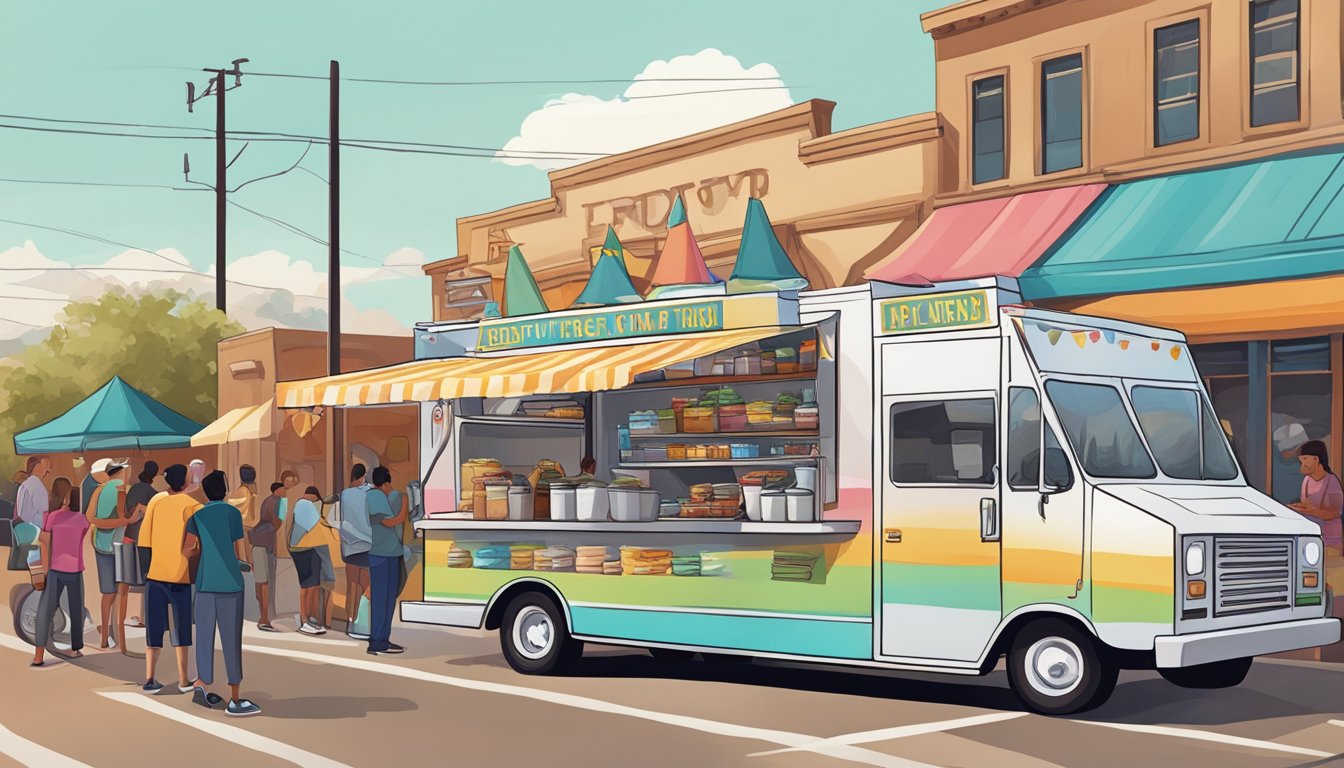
(457, 83)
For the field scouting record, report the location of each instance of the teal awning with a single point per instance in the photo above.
(1274, 219)
(117, 417)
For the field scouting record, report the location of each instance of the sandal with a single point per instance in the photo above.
(37, 663)
(266, 627)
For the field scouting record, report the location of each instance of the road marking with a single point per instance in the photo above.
(31, 753)
(15, 644)
(1340, 723)
(782, 738)
(253, 633)
(901, 732)
(1218, 738)
(240, 736)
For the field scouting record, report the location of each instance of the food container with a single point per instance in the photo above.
(676, 452)
(702, 492)
(564, 502)
(679, 405)
(807, 355)
(751, 496)
(630, 505)
(725, 507)
(697, 452)
(700, 419)
(644, 423)
(747, 363)
(806, 477)
(497, 499)
(768, 362)
(546, 472)
(774, 507)
(667, 421)
(471, 469)
(722, 452)
(786, 360)
(745, 450)
(593, 502)
(683, 370)
(727, 491)
(623, 438)
(655, 453)
(520, 502)
(695, 509)
(669, 509)
(733, 418)
(807, 417)
(799, 506)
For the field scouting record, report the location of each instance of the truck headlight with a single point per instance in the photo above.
(1311, 552)
(1194, 558)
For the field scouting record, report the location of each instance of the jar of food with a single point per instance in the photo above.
(497, 499)
(676, 452)
(700, 419)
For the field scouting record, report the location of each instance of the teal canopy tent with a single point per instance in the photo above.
(116, 417)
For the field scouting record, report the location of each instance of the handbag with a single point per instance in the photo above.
(18, 553)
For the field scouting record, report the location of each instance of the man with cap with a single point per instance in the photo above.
(108, 517)
(1287, 478)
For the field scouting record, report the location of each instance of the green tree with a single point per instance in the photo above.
(159, 342)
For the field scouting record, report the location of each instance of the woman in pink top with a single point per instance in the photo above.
(62, 545)
(1322, 494)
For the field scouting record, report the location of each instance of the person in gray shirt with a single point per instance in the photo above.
(261, 538)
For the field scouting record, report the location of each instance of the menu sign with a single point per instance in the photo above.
(624, 323)
(944, 311)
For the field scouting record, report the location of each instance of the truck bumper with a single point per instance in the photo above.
(1208, 647)
(468, 615)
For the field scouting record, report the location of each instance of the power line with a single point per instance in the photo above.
(456, 83)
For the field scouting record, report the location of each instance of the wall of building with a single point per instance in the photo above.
(987, 37)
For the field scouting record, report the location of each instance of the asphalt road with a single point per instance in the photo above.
(452, 700)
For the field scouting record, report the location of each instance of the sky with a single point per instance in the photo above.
(128, 62)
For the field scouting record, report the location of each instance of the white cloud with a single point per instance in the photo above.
(271, 289)
(579, 122)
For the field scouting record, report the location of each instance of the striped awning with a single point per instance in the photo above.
(587, 369)
(250, 422)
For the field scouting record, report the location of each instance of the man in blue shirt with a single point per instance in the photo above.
(387, 511)
(216, 532)
(356, 541)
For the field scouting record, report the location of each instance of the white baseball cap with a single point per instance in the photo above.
(1289, 436)
(103, 465)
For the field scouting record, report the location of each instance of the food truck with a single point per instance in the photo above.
(925, 478)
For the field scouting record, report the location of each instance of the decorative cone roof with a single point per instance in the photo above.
(610, 282)
(680, 262)
(521, 294)
(762, 264)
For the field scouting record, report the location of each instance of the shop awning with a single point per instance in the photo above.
(1275, 219)
(252, 422)
(1002, 236)
(584, 369)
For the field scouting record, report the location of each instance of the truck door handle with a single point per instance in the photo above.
(989, 520)
(893, 535)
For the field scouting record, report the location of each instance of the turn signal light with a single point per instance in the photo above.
(1310, 580)
(1195, 588)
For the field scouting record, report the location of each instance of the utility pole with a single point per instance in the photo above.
(337, 449)
(217, 89)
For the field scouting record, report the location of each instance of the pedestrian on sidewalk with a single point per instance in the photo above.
(307, 563)
(30, 503)
(131, 577)
(109, 517)
(216, 531)
(168, 587)
(62, 546)
(262, 539)
(387, 512)
(356, 540)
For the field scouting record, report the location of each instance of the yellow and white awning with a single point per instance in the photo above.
(248, 423)
(587, 369)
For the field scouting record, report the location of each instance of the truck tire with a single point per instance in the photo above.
(535, 638)
(1219, 674)
(1057, 669)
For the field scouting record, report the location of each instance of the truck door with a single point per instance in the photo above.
(939, 517)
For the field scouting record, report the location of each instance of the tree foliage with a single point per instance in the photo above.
(160, 343)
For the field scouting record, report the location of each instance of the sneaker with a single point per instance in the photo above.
(207, 700)
(135, 622)
(188, 688)
(152, 686)
(321, 630)
(394, 648)
(357, 635)
(372, 652)
(242, 708)
(309, 629)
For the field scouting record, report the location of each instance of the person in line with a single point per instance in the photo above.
(261, 537)
(387, 510)
(307, 563)
(1323, 500)
(356, 540)
(168, 587)
(109, 517)
(30, 504)
(128, 581)
(62, 546)
(216, 532)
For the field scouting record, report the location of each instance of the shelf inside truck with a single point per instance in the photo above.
(666, 525)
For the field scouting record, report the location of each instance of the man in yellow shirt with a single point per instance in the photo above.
(168, 583)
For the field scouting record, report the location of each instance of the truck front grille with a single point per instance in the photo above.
(1253, 575)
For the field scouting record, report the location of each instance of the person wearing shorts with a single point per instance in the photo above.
(307, 562)
(356, 540)
(108, 517)
(168, 588)
(133, 580)
(261, 538)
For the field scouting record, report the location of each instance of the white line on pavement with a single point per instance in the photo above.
(15, 644)
(229, 733)
(782, 738)
(31, 753)
(901, 732)
(1218, 738)
(1340, 723)
(252, 633)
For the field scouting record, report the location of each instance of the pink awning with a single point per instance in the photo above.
(1002, 236)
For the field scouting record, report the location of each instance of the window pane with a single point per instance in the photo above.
(1300, 354)
(1024, 437)
(1230, 359)
(1299, 410)
(1176, 75)
(988, 129)
(1099, 429)
(1274, 106)
(1231, 406)
(1062, 113)
(1177, 122)
(1218, 463)
(944, 442)
(1274, 64)
(1170, 421)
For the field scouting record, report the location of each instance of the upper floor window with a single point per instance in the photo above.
(987, 135)
(1274, 61)
(1062, 113)
(1176, 83)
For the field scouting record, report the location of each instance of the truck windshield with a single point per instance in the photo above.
(1182, 433)
(1100, 430)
